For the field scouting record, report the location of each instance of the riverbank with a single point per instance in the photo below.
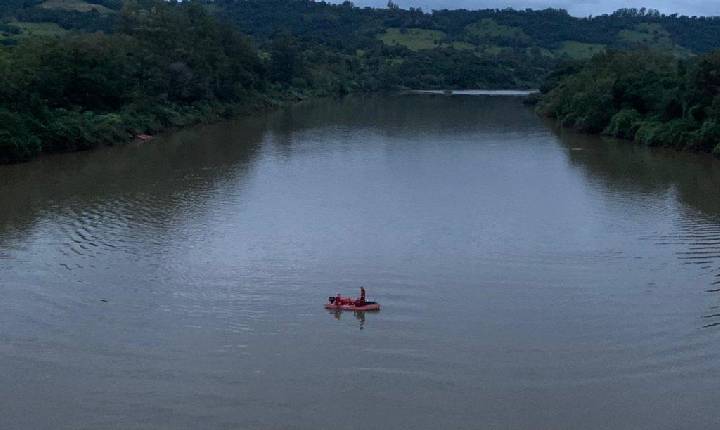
(82, 131)
(650, 98)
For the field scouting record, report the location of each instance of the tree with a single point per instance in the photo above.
(285, 63)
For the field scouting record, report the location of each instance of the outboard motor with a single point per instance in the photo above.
(331, 300)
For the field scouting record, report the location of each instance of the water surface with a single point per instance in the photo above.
(531, 278)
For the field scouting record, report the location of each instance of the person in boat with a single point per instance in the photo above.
(361, 301)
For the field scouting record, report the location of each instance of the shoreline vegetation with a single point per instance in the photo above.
(165, 67)
(651, 98)
(77, 92)
(77, 74)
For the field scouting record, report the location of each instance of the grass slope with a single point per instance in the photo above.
(413, 38)
(75, 5)
(653, 36)
(579, 50)
(487, 28)
(30, 29)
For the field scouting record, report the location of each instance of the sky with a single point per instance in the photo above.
(575, 7)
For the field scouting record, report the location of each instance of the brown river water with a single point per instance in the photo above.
(530, 278)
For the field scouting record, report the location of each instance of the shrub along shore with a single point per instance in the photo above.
(654, 99)
(23, 138)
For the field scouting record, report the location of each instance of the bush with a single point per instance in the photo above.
(581, 102)
(17, 143)
(672, 134)
(109, 129)
(568, 120)
(624, 124)
(647, 133)
(76, 131)
(676, 133)
(67, 131)
(706, 139)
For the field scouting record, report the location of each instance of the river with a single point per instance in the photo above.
(530, 278)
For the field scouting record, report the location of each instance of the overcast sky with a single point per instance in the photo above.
(575, 7)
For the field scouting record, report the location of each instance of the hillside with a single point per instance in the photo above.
(365, 48)
(82, 15)
(550, 29)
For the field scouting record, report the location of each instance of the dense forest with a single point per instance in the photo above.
(352, 48)
(650, 97)
(170, 65)
(80, 73)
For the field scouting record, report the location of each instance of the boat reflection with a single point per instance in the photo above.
(359, 315)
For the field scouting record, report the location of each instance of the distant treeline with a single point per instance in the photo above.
(493, 48)
(345, 25)
(654, 99)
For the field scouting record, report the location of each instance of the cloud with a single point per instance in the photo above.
(575, 7)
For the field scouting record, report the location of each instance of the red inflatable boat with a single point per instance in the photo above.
(369, 306)
(350, 304)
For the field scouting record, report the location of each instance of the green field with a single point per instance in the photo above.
(28, 29)
(418, 39)
(652, 36)
(76, 5)
(461, 45)
(579, 50)
(646, 34)
(413, 38)
(492, 49)
(487, 28)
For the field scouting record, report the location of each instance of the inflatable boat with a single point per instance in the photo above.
(351, 304)
(369, 306)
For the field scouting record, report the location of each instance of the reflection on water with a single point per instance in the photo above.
(122, 189)
(629, 171)
(359, 315)
(530, 277)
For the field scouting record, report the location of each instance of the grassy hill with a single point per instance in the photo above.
(372, 48)
(579, 50)
(507, 33)
(487, 37)
(488, 30)
(414, 39)
(20, 19)
(75, 5)
(19, 30)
